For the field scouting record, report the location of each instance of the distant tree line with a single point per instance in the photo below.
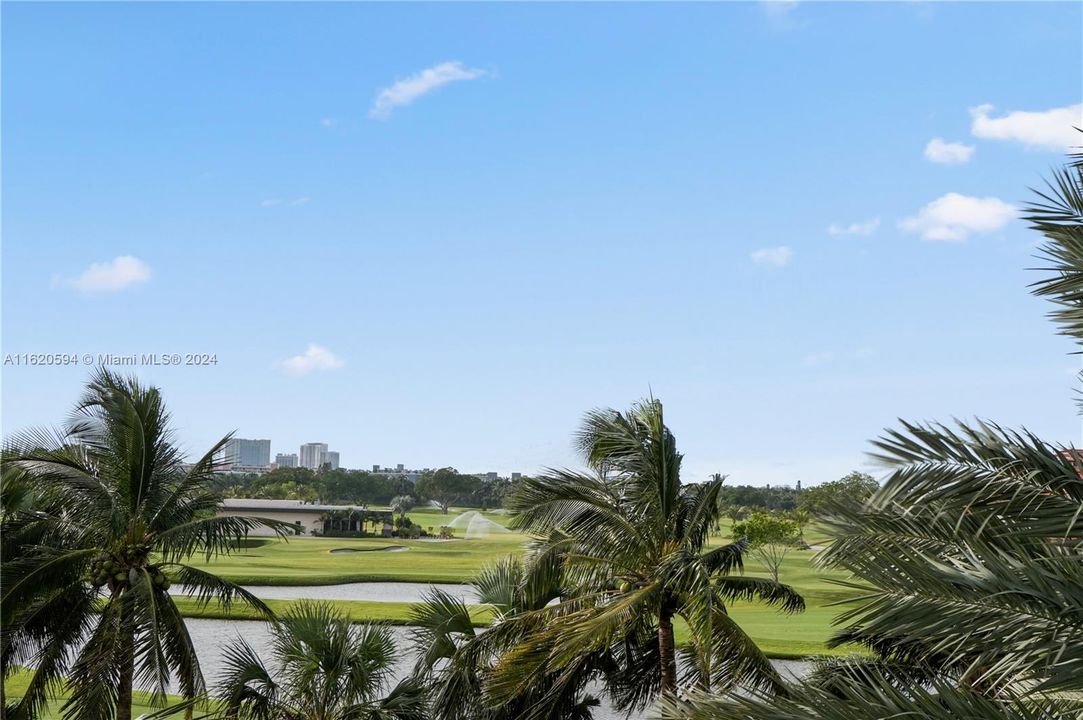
(448, 487)
(444, 487)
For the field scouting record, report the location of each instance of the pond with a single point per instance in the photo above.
(211, 637)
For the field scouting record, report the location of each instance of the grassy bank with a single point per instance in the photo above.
(392, 613)
(16, 685)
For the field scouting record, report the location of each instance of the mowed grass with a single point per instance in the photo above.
(309, 561)
(15, 688)
(390, 613)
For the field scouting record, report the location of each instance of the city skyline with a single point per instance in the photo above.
(448, 231)
(254, 454)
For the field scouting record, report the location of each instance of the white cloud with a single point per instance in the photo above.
(315, 358)
(948, 153)
(328, 122)
(953, 217)
(117, 274)
(772, 257)
(858, 228)
(817, 359)
(418, 85)
(778, 10)
(1051, 129)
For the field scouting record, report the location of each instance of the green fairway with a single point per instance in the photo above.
(309, 561)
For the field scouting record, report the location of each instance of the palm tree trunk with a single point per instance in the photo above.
(127, 671)
(667, 654)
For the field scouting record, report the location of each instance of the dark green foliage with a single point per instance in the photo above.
(446, 487)
(322, 667)
(854, 488)
(631, 539)
(102, 517)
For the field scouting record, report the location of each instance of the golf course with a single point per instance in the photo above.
(314, 561)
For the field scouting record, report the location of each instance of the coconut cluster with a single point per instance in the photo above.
(109, 570)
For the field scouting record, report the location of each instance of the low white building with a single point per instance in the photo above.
(305, 516)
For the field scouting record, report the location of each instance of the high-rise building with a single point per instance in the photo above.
(286, 460)
(312, 455)
(330, 458)
(242, 452)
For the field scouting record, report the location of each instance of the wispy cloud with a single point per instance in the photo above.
(948, 153)
(953, 217)
(315, 358)
(858, 228)
(778, 10)
(772, 257)
(1048, 129)
(328, 122)
(117, 274)
(404, 92)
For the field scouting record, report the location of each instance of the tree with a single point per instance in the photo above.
(735, 513)
(445, 486)
(115, 513)
(969, 558)
(968, 564)
(801, 518)
(855, 487)
(456, 661)
(634, 538)
(491, 492)
(402, 504)
(284, 484)
(770, 538)
(760, 497)
(323, 668)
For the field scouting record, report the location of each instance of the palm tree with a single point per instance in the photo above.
(968, 565)
(29, 621)
(969, 559)
(324, 668)
(455, 660)
(113, 514)
(634, 542)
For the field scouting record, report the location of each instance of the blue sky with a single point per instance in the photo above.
(738, 207)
